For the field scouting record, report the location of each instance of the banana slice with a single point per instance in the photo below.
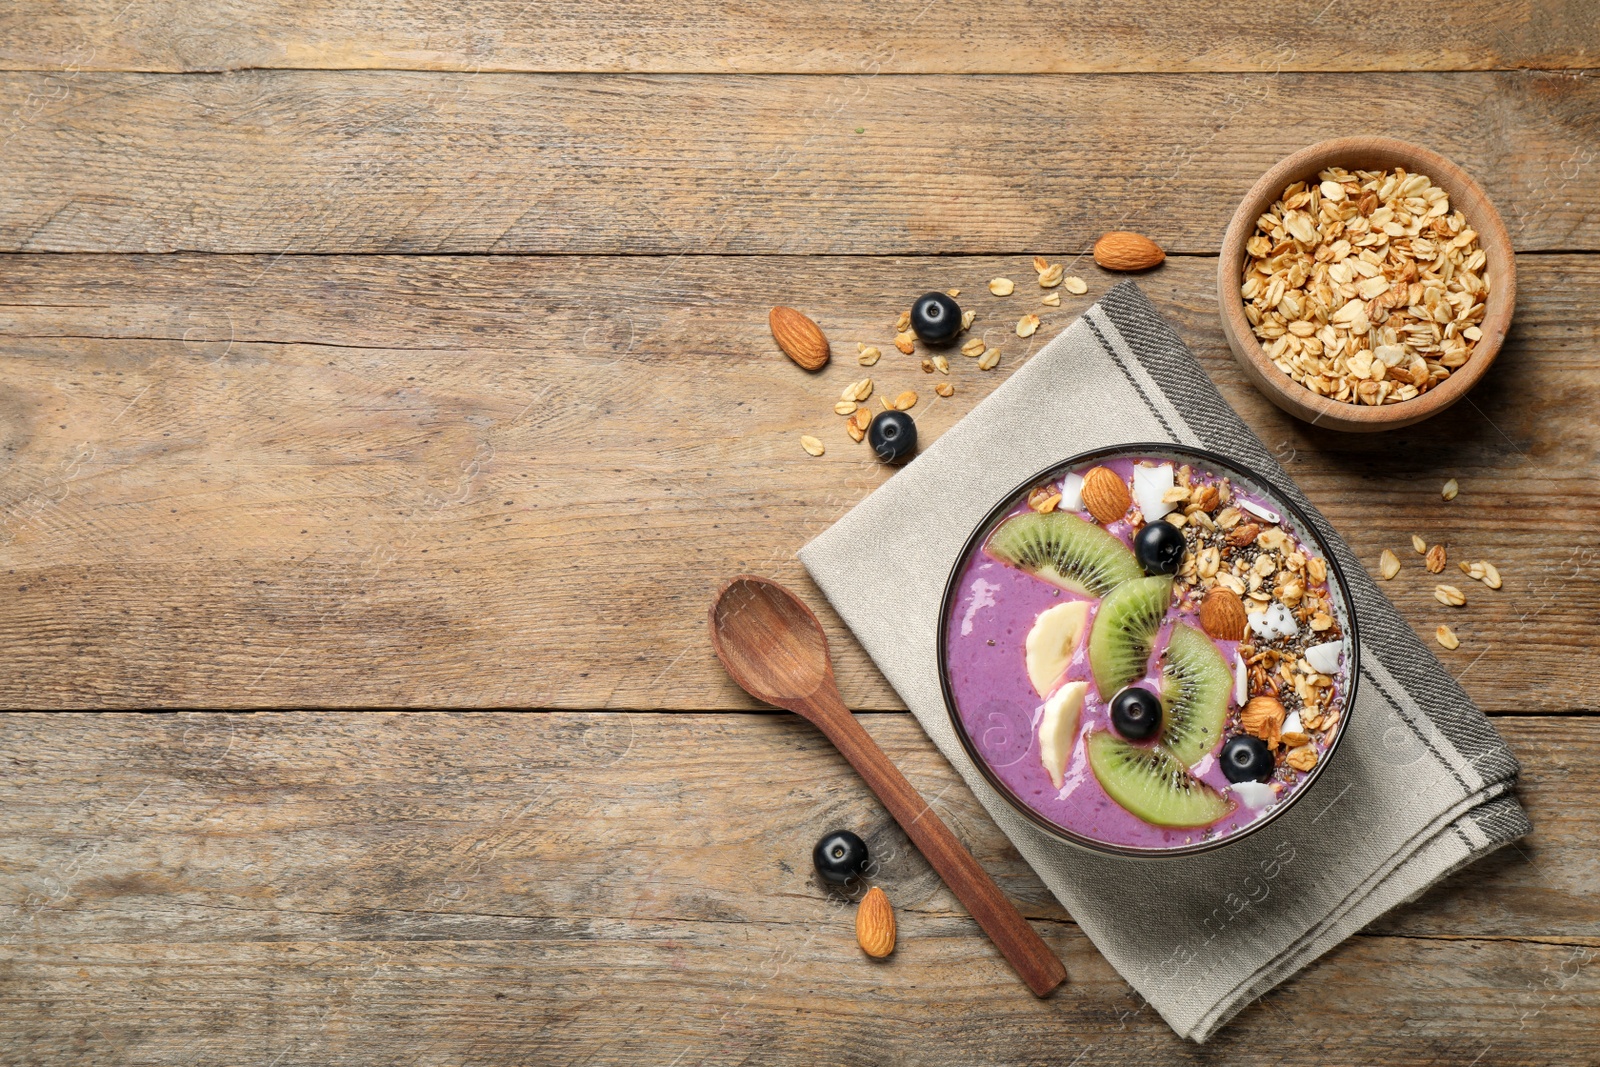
(1051, 642)
(1058, 729)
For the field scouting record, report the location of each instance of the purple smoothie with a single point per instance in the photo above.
(993, 609)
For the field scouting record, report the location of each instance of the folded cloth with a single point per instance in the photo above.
(1420, 784)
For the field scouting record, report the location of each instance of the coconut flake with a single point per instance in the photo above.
(1325, 657)
(1276, 621)
(1071, 493)
(1254, 795)
(1292, 724)
(1150, 484)
(1241, 681)
(1260, 512)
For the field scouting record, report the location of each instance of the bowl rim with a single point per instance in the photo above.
(1361, 153)
(1221, 465)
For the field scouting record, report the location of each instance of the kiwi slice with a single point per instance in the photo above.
(1151, 784)
(1197, 683)
(1124, 630)
(1064, 550)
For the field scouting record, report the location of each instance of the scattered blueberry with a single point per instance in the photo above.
(1136, 713)
(936, 317)
(892, 434)
(840, 856)
(1159, 547)
(1246, 759)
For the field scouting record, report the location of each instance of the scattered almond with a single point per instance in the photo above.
(845, 407)
(1002, 286)
(1105, 494)
(1075, 285)
(869, 355)
(1263, 716)
(1435, 559)
(945, 389)
(1419, 544)
(973, 347)
(1449, 594)
(1222, 614)
(1388, 564)
(1027, 325)
(800, 339)
(875, 924)
(1051, 278)
(811, 445)
(1120, 250)
(906, 401)
(1446, 637)
(1051, 300)
(989, 360)
(1450, 489)
(906, 342)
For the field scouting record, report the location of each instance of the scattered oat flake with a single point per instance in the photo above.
(869, 356)
(1002, 286)
(906, 342)
(1449, 595)
(1040, 264)
(856, 433)
(1435, 559)
(1027, 324)
(927, 366)
(967, 317)
(845, 407)
(1491, 575)
(888, 405)
(1450, 489)
(989, 360)
(945, 389)
(1419, 544)
(1388, 564)
(906, 400)
(942, 364)
(1446, 637)
(903, 323)
(1050, 278)
(952, 293)
(1052, 300)
(973, 347)
(1075, 285)
(812, 445)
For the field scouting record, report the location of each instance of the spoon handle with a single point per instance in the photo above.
(1022, 947)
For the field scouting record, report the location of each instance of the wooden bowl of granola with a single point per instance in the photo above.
(1366, 284)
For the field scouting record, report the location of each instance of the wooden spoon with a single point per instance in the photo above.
(774, 647)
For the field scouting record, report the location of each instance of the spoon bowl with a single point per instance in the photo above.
(769, 641)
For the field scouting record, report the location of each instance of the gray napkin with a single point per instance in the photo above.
(1419, 787)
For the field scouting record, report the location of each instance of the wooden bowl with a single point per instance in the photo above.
(1367, 153)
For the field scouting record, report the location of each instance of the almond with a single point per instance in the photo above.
(801, 339)
(1222, 615)
(875, 924)
(1106, 495)
(1119, 250)
(1263, 716)
(1240, 536)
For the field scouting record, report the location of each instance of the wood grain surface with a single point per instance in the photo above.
(421, 162)
(378, 355)
(625, 888)
(400, 481)
(851, 37)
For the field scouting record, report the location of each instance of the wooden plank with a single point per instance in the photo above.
(903, 36)
(329, 827)
(599, 888)
(263, 161)
(516, 482)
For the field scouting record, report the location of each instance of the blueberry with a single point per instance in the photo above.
(1159, 547)
(892, 434)
(840, 856)
(1136, 713)
(1246, 759)
(936, 318)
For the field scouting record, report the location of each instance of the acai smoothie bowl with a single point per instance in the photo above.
(1148, 651)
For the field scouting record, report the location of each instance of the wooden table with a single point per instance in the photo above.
(415, 356)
